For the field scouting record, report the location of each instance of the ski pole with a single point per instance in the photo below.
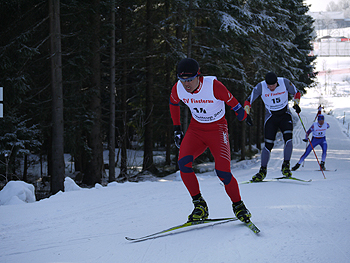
(305, 150)
(312, 147)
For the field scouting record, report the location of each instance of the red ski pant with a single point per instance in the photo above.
(197, 139)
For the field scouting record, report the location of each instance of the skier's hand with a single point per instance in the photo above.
(178, 135)
(297, 108)
(305, 140)
(247, 109)
(248, 120)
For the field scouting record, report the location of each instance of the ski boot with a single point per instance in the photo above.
(260, 175)
(241, 212)
(322, 166)
(295, 167)
(200, 211)
(285, 169)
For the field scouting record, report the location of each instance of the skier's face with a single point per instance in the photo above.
(272, 87)
(192, 85)
(320, 122)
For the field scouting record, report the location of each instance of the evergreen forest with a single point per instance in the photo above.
(81, 77)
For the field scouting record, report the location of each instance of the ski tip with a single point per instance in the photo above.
(245, 182)
(130, 239)
(293, 178)
(254, 182)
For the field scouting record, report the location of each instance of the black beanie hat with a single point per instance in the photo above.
(187, 67)
(270, 78)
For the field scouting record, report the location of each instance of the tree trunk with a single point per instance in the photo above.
(179, 31)
(148, 142)
(112, 100)
(58, 166)
(94, 168)
(169, 126)
(124, 135)
(189, 54)
(124, 130)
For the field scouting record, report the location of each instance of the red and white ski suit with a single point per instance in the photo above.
(207, 129)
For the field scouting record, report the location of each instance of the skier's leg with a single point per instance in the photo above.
(324, 150)
(220, 149)
(191, 148)
(286, 127)
(218, 143)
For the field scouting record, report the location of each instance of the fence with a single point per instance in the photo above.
(332, 49)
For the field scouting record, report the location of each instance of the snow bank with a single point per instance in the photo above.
(70, 185)
(17, 192)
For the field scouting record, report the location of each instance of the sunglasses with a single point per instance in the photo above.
(187, 79)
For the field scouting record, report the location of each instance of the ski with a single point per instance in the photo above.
(263, 181)
(326, 170)
(293, 178)
(214, 221)
(275, 180)
(252, 227)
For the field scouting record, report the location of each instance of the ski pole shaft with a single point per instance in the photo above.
(305, 150)
(312, 147)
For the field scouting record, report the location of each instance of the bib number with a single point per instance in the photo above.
(276, 100)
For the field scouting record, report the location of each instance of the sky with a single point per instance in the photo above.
(318, 5)
(299, 222)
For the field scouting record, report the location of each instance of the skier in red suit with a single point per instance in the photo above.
(206, 98)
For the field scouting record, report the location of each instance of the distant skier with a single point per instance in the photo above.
(318, 130)
(319, 111)
(274, 93)
(206, 98)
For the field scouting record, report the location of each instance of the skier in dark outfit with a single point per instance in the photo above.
(274, 93)
(206, 98)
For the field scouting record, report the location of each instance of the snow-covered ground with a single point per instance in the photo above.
(299, 222)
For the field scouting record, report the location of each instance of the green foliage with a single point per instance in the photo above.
(16, 140)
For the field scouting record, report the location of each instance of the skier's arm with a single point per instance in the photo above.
(309, 131)
(175, 116)
(174, 106)
(292, 90)
(222, 93)
(257, 91)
